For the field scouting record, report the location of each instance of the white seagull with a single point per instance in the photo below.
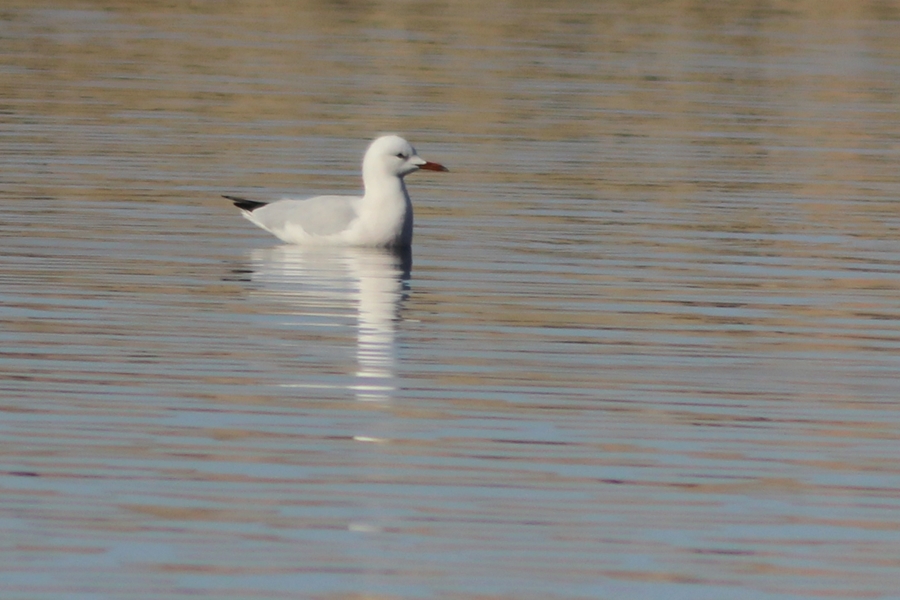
(382, 217)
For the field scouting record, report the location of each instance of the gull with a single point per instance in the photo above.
(382, 217)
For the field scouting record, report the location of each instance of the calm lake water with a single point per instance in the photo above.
(646, 346)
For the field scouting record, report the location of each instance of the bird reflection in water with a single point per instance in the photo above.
(328, 285)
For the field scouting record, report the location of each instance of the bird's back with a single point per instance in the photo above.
(319, 216)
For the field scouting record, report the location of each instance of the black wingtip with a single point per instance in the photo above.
(244, 204)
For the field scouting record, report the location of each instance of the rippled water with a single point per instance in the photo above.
(646, 345)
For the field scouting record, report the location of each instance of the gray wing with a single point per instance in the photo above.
(324, 215)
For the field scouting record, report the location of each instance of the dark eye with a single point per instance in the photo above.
(400, 155)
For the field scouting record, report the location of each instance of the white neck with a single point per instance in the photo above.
(388, 206)
(380, 186)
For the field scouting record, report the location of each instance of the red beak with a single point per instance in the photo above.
(430, 166)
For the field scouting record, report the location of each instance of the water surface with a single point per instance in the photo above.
(645, 345)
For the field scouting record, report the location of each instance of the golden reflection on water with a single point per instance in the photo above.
(648, 348)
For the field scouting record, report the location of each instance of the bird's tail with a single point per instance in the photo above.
(244, 204)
